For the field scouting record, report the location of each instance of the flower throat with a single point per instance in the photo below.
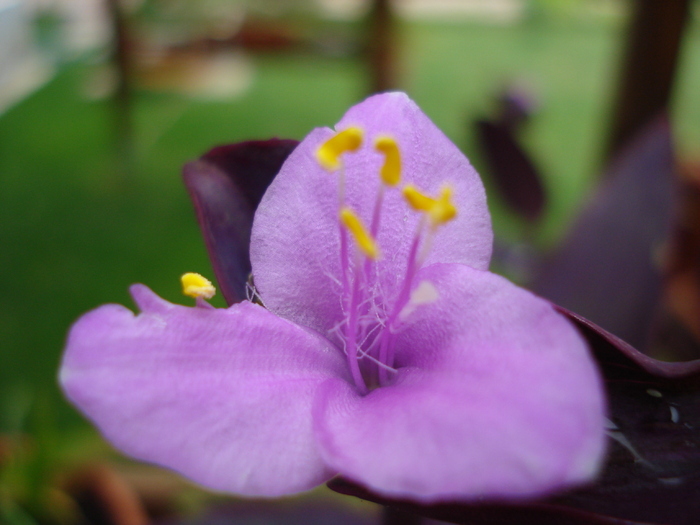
(368, 330)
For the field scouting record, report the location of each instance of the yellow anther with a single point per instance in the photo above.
(363, 238)
(194, 285)
(440, 210)
(416, 199)
(391, 170)
(328, 154)
(444, 209)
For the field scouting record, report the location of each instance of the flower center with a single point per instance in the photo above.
(368, 330)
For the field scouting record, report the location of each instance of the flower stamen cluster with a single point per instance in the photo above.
(367, 331)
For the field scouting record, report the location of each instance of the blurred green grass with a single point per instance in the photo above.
(74, 233)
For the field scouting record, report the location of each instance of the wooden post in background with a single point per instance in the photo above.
(381, 47)
(122, 99)
(649, 66)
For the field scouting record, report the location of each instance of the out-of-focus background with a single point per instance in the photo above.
(103, 101)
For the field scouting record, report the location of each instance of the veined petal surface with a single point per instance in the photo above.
(495, 396)
(295, 247)
(221, 396)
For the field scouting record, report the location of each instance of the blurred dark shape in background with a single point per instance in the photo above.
(103, 496)
(609, 267)
(382, 47)
(122, 57)
(271, 512)
(394, 516)
(512, 169)
(683, 285)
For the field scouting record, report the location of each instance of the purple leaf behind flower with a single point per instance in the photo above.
(607, 269)
(226, 185)
(484, 514)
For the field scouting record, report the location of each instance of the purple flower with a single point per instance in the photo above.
(385, 350)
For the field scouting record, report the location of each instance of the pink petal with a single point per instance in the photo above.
(496, 397)
(295, 250)
(221, 396)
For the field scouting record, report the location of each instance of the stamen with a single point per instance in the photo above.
(440, 210)
(367, 332)
(444, 209)
(328, 154)
(251, 292)
(425, 293)
(391, 170)
(365, 241)
(372, 333)
(351, 349)
(386, 351)
(382, 366)
(197, 286)
(417, 200)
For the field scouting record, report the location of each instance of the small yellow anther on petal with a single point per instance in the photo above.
(444, 209)
(391, 170)
(363, 238)
(440, 210)
(328, 154)
(416, 199)
(194, 285)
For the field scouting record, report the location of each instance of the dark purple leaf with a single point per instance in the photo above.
(299, 511)
(226, 185)
(607, 269)
(483, 513)
(652, 471)
(251, 165)
(655, 407)
(620, 361)
(514, 174)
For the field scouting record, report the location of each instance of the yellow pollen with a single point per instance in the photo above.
(362, 237)
(328, 154)
(194, 285)
(439, 210)
(444, 210)
(416, 199)
(391, 170)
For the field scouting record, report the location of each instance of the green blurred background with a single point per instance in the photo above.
(83, 215)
